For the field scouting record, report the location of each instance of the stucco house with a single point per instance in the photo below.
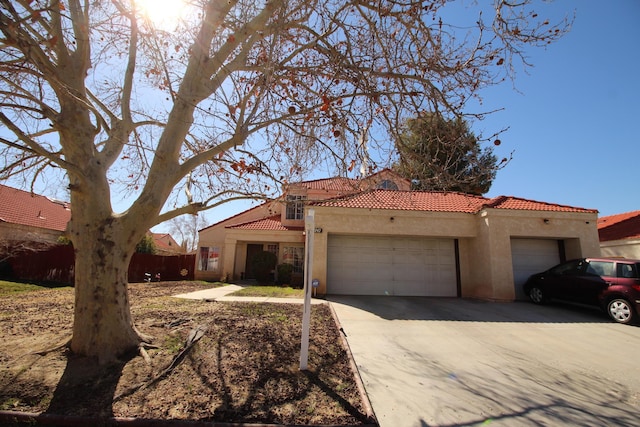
(375, 237)
(39, 221)
(620, 235)
(30, 217)
(166, 244)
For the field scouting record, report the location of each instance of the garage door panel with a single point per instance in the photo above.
(372, 265)
(530, 256)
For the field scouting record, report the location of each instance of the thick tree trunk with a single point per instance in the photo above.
(102, 327)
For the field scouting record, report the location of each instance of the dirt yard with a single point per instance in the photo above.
(244, 369)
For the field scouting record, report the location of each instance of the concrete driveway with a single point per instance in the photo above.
(456, 362)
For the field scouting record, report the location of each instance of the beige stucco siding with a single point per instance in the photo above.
(385, 223)
(492, 266)
(627, 248)
(484, 239)
(217, 236)
(19, 232)
(237, 240)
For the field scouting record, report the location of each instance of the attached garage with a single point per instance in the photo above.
(383, 265)
(530, 256)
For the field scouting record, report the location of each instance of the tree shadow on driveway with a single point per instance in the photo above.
(470, 310)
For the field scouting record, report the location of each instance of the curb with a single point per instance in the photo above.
(356, 372)
(42, 419)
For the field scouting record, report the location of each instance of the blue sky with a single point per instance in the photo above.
(571, 117)
(574, 127)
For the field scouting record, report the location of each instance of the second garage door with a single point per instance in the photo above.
(531, 256)
(371, 265)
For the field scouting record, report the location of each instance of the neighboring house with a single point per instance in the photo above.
(27, 217)
(374, 237)
(166, 245)
(620, 235)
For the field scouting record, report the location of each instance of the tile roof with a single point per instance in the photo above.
(516, 203)
(408, 200)
(338, 183)
(262, 205)
(435, 201)
(24, 208)
(619, 227)
(165, 242)
(269, 224)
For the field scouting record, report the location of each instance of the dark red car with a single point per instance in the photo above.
(611, 283)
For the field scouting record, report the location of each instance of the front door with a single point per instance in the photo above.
(252, 250)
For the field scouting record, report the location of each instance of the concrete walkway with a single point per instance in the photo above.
(223, 294)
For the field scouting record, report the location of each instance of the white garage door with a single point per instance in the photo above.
(370, 265)
(530, 256)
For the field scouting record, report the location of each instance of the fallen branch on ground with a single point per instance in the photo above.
(193, 337)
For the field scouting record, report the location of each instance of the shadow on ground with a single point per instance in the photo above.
(471, 310)
(86, 389)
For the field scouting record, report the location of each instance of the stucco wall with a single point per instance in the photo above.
(628, 248)
(216, 236)
(18, 232)
(486, 269)
(237, 240)
(492, 258)
(385, 223)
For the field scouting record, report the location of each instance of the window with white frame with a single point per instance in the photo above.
(294, 255)
(295, 207)
(209, 258)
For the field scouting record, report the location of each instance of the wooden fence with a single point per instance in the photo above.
(56, 265)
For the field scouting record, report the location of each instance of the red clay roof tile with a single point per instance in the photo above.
(332, 184)
(619, 227)
(268, 224)
(408, 200)
(516, 203)
(435, 201)
(22, 207)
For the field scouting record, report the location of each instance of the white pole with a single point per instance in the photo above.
(306, 312)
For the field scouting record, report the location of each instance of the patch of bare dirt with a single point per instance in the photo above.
(244, 369)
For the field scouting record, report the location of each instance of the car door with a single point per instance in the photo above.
(559, 281)
(595, 277)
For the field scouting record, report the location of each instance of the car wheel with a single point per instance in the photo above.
(537, 295)
(621, 311)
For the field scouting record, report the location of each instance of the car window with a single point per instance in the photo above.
(628, 271)
(571, 268)
(601, 268)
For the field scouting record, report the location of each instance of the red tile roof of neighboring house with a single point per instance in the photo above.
(439, 202)
(165, 243)
(619, 227)
(24, 208)
(269, 224)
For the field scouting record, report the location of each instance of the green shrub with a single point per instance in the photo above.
(146, 245)
(284, 274)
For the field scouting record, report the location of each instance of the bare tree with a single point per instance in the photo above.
(239, 97)
(186, 228)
